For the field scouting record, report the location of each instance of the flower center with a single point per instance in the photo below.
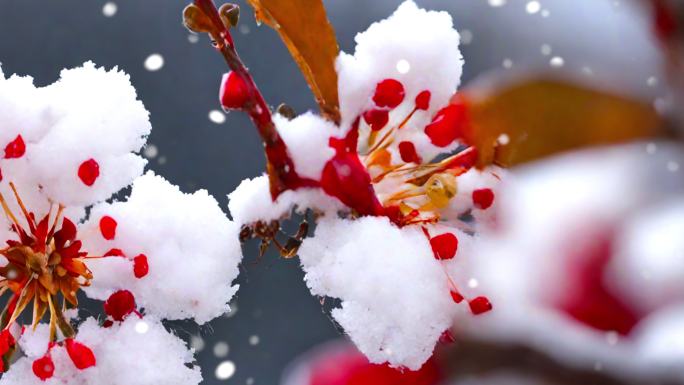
(411, 190)
(43, 264)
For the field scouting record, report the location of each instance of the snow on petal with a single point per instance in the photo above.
(395, 298)
(306, 137)
(126, 353)
(192, 251)
(251, 202)
(425, 40)
(97, 117)
(83, 128)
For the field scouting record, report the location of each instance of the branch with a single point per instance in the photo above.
(204, 17)
(473, 357)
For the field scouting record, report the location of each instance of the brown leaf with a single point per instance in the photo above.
(544, 116)
(305, 29)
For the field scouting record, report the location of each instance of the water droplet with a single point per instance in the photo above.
(162, 160)
(612, 338)
(244, 29)
(197, 343)
(533, 7)
(151, 151)
(403, 66)
(141, 327)
(233, 310)
(507, 63)
(466, 36)
(217, 116)
(546, 49)
(193, 38)
(545, 13)
(254, 340)
(225, 370)
(672, 166)
(497, 3)
(651, 148)
(503, 139)
(557, 62)
(652, 81)
(472, 283)
(109, 9)
(250, 381)
(221, 349)
(154, 62)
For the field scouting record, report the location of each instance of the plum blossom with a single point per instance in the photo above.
(68, 148)
(398, 170)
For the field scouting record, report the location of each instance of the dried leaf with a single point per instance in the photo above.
(305, 29)
(541, 117)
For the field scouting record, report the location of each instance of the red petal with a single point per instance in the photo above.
(448, 125)
(16, 148)
(41, 233)
(423, 100)
(456, 296)
(447, 337)
(444, 246)
(66, 234)
(114, 253)
(43, 367)
(80, 355)
(140, 266)
(89, 171)
(664, 20)
(120, 304)
(483, 198)
(388, 93)
(71, 251)
(376, 119)
(6, 341)
(408, 153)
(108, 227)
(480, 305)
(345, 178)
(234, 92)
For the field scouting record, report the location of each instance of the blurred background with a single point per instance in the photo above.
(195, 145)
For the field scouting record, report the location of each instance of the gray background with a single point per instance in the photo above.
(39, 37)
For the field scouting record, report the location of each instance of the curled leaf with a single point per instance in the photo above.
(305, 29)
(531, 119)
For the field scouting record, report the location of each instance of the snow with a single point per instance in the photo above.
(251, 202)
(306, 137)
(649, 264)
(124, 356)
(192, 249)
(550, 210)
(395, 299)
(426, 40)
(89, 113)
